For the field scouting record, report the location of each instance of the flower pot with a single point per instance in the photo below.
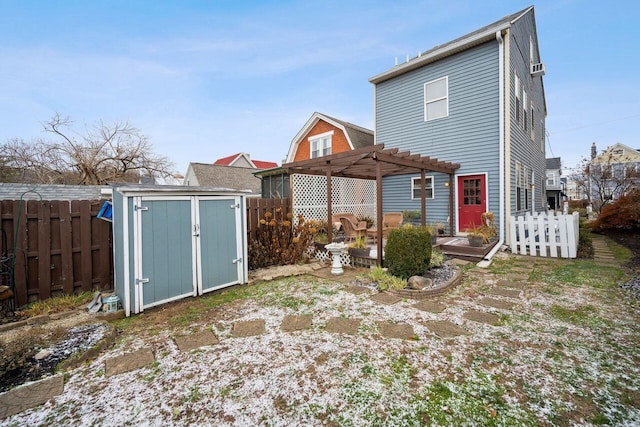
(359, 252)
(475, 240)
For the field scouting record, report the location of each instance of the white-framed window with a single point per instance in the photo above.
(551, 179)
(543, 135)
(320, 144)
(533, 123)
(618, 152)
(416, 191)
(518, 186)
(436, 99)
(516, 88)
(525, 106)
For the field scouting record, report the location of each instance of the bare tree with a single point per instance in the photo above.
(606, 178)
(116, 152)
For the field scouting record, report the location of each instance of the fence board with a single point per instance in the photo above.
(257, 207)
(44, 250)
(66, 248)
(542, 232)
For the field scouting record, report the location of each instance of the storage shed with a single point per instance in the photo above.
(173, 242)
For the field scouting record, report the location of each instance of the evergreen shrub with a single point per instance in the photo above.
(408, 251)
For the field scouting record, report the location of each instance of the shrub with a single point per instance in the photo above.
(279, 241)
(408, 251)
(437, 259)
(384, 280)
(622, 214)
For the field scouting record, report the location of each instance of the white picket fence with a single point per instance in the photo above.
(545, 234)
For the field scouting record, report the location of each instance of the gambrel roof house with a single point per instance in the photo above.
(477, 101)
(323, 135)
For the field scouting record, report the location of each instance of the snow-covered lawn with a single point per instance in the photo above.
(565, 354)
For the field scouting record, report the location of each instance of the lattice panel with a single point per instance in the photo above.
(348, 195)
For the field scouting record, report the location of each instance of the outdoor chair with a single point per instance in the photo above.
(390, 221)
(353, 231)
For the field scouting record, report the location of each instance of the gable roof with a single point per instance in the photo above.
(460, 44)
(235, 178)
(609, 155)
(257, 164)
(553, 163)
(357, 136)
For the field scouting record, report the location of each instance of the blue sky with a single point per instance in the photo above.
(206, 79)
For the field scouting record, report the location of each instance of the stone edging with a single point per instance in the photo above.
(424, 293)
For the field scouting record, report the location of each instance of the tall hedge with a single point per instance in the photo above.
(408, 251)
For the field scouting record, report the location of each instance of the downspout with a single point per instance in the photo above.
(501, 148)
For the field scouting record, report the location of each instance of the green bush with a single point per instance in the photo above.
(408, 251)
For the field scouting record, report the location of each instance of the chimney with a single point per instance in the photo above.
(594, 151)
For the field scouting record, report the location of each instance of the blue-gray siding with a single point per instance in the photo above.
(468, 136)
(530, 152)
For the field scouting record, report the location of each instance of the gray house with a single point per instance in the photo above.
(478, 101)
(555, 184)
(230, 177)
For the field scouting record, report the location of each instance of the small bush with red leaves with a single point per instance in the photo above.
(623, 214)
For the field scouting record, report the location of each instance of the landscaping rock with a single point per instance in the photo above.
(29, 395)
(42, 354)
(419, 282)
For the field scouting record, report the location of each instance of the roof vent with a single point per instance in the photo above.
(537, 69)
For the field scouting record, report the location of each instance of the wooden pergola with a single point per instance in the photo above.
(375, 162)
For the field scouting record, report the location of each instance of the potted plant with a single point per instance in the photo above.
(359, 248)
(440, 227)
(475, 237)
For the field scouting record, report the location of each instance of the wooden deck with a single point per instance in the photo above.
(458, 247)
(455, 247)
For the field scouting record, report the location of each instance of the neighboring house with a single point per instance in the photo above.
(243, 160)
(321, 135)
(615, 171)
(234, 172)
(478, 101)
(555, 184)
(229, 177)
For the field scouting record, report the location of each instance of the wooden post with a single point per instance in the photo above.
(450, 204)
(329, 210)
(379, 210)
(423, 198)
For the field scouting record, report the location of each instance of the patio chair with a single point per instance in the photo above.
(390, 221)
(351, 217)
(353, 231)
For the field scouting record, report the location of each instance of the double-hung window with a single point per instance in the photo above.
(416, 192)
(524, 113)
(516, 87)
(320, 144)
(436, 99)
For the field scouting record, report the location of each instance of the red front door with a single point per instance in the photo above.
(472, 201)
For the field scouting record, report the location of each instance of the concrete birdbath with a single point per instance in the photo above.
(336, 250)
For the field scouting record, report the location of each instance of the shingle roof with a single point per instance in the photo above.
(231, 177)
(471, 39)
(554, 163)
(359, 136)
(15, 191)
(259, 164)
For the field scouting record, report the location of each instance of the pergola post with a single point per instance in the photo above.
(423, 198)
(450, 204)
(379, 212)
(329, 210)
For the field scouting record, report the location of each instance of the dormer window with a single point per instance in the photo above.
(320, 144)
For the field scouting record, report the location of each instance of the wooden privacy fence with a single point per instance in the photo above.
(256, 208)
(55, 247)
(545, 234)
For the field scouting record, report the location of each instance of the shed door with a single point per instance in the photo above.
(472, 201)
(219, 248)
(165, 250)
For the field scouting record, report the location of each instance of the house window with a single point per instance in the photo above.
(618, 152)
(518, 186)
(416, 191)
(527, 187)
(551, 179)
(533, 124)
(543, 135)
(436, 99)
(517, 89)
(320, 144)
(524, 108)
